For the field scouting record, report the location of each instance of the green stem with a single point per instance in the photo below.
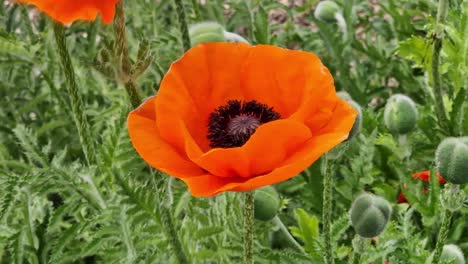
(132, 91)
(342, 25)
(356, 258)
(169, 227)
(183, 24)
(196, 10)
(465, 54)
(443, 233)
(288, 235)
(55, 92)
(405, 146)
(358, 246)
(327, 209)
(28, 24)
(436, 48)
(171, 233)
(92, 34)
(122, 50)
(76, 102)
(248, 227)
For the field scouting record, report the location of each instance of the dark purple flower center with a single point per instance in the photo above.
(231, 125)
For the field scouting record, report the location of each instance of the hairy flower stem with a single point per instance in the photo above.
(342, 25)
(356, 258)
(133, 94)
(196, 10)
(436, 77)
(443, 232)
(288, 235)
(403, 141)
(122, 51)
(28, 24)
(248, 227)
(327, 209)
(183, 24)
(171, 233)
(92, 34)
(77, 111)
(358, 247)
(76, 102)
(168, 225)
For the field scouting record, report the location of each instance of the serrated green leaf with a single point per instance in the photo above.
(262, 29)
(416, 49)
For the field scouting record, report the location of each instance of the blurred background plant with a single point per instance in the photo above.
(51, 211)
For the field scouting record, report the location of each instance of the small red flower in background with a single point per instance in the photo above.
(423, 176)
(68, 11)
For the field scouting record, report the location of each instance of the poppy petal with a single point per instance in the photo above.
(425, 175)
(299, 161)
(152, 148)
(210, 185)
(68, 11)
(401, 198)
(284, 79)
(422, 175)
(341, 119)
(190, 90)
(270, 145)
(331, 109)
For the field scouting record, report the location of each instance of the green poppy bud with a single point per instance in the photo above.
(369, 215)
(344, 95)
(233, 37)
(400, 114)
(357, 122)
(206, 32)
(452, 159)
(266, 203)
(452, 254)
(326, 11)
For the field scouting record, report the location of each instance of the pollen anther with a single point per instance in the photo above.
(231, 125)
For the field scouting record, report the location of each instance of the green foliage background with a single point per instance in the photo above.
(54, 208)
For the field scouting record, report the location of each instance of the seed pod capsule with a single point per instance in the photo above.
(369, 215)
(452, 254)
(358, 121)
(326, 11)
(206, 32)
(400, 115)
(452, 159)
(344, 95)
(266, 203)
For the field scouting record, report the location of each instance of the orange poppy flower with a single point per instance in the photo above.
(423, 176)
(68, 11)
(235, 117)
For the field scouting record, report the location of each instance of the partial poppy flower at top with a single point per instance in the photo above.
(68, 11)
(423, 176)
(236, 117)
